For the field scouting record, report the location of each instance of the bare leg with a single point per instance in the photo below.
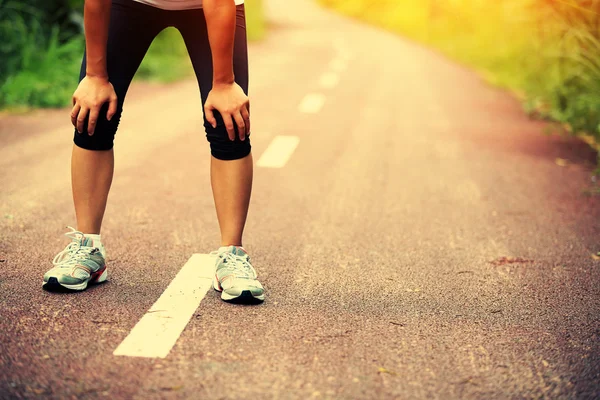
(91, 177)
(232, 185)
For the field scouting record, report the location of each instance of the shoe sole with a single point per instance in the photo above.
(245, 296)
(53, 285)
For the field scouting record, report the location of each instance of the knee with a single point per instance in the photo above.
(104, 134)
(224, 149)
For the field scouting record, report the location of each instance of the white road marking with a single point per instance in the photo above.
(329, 80)
(312, 103)
(158, 330)
(338, 64)
(279, 152)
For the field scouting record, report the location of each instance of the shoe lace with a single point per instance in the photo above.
(74, 252)
(239, 265)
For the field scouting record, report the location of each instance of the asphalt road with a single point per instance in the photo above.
(421, 241)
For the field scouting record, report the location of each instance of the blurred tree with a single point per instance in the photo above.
(27, 28)
(62, 13)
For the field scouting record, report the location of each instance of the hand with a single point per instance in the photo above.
(90, 96)
(233, 105)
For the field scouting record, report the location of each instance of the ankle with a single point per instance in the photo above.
(231, 243)
(96, 241)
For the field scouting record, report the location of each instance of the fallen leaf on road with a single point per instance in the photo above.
(171, 388)
(35, 390)
(466, 381)
(382, 370)
(596, 256)
(510, 260)
(561, 162)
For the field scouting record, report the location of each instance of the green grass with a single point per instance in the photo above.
(255, 20)
(37, 69)
(47, 78)
(547, 51)
(167, 59)
(40, 69)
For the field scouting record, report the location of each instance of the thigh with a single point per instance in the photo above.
(133, 26)
(192, 25)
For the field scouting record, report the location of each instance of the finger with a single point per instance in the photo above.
(81, 118)
(94, 112)
(239, 121)
(246, 116)
(112, 108)
(228, 120)
(74, 113)
(210, 117)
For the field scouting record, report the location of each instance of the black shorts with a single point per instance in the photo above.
(133, 26)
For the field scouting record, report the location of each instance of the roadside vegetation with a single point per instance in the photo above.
(42, 45)
(546, 51)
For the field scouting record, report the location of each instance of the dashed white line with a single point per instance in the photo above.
(312, 103)
(329, 80)
(158, 330)
(279, 152)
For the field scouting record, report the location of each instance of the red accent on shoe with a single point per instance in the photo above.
(96, 275)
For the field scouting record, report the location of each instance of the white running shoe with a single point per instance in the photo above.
(77, 265)
(235, 277)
